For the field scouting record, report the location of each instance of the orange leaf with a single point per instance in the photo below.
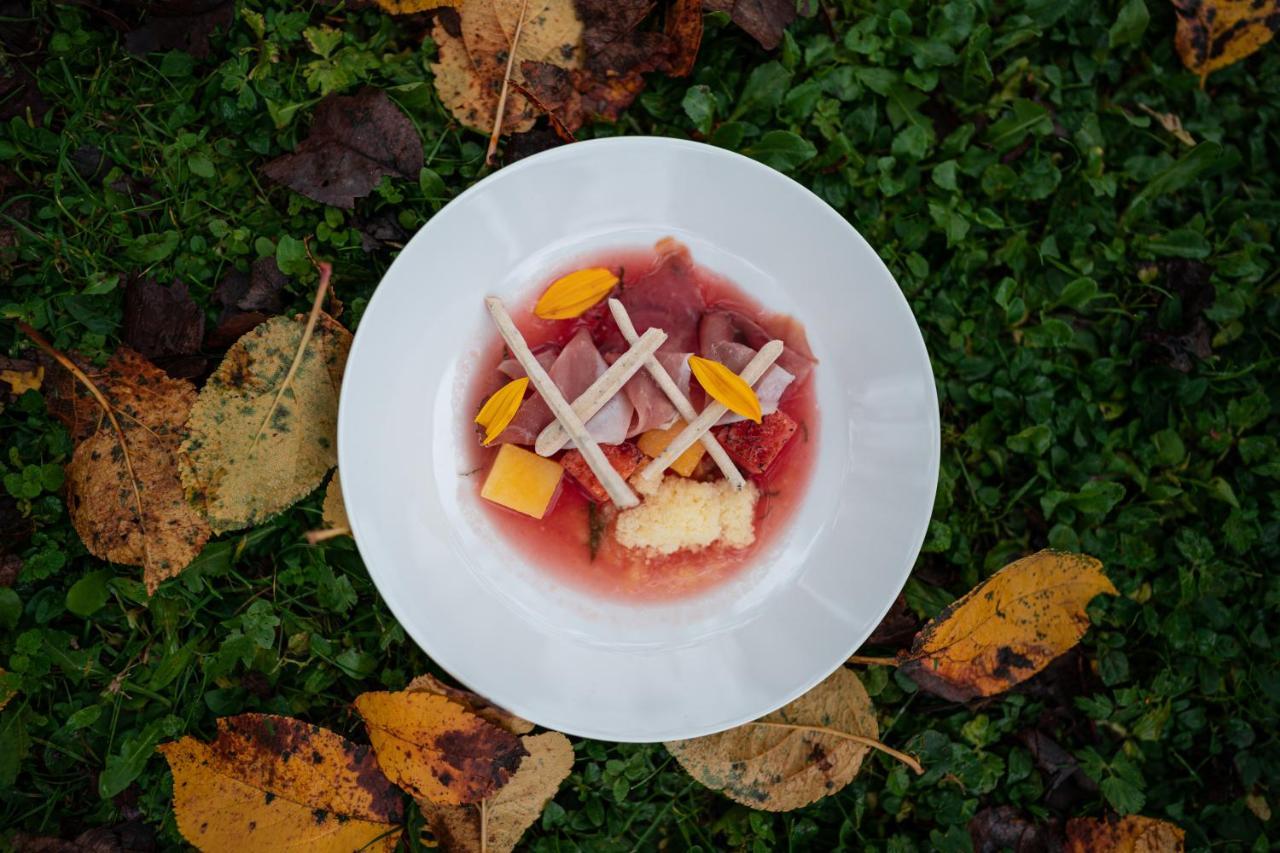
(473, 702)
(1132, 834)
(275, 783)
(572, 295)
(1007, 628)
(1213, 34)
(726, 387)
(409, 7)
(437, 750)
(499, 409)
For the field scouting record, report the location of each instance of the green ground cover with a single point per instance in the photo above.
(1099, 297)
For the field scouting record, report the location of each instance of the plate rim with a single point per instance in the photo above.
(570, 151)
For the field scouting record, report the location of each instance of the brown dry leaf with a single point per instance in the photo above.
(276, 783)
(252, 449)
(165, 325)
(497, 824)
(334, 511)
(1171, 123)
(140, 392)
(437, 750)
(1132, 834)
(409, 7)
(471, 67)
(105, 490)
(1007, 628)
(1213, 34)
(763, 20)
(132, 836)
(792, 757)
(473, 702)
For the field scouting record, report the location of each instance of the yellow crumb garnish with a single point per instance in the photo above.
(687, 514)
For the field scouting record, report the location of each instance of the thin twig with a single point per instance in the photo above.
(865, 741)
(326, 270)
(506, 87)
(39, 340)
(872, 661)
(315, 537)
(484, 828)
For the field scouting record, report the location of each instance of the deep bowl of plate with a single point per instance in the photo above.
(566, 659)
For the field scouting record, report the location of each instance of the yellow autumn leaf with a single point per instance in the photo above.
(1132, 834)
(1007, 628)
(499, 409)
(276, 783)
(21, 379)
(798, 754)
(496, 825)
(409, 7)
(1213, 34)
(436, 749)
(473, 702)
(574, 294)
(334, 511)
(726, 387)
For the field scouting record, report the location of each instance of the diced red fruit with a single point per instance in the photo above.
(754, 446)
(625, 459)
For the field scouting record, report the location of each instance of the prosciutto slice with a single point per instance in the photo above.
(666, 297)
(769, 389)
(546, 356)
(573, 370)
(721, 325)
(652, 408)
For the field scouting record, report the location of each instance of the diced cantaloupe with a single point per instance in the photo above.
(522, 481)
(655, 441)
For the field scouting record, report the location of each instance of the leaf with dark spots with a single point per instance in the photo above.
(1007, 628)
(184, 25)
(1006, 828)
(18, 376)
(1213, 34)
(355, 141)
(436, 749)
(520, 145)
(763, 20)
(165, 325)
(1131, 834)
(473, 702)
(243, 792)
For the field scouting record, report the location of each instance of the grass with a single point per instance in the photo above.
(1099, 298)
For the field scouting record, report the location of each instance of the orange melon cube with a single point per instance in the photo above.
(522, 480)
(655, 441)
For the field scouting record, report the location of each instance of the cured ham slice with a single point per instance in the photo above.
(573, 370)
(721, 325)
(666, 297)
(546, 356)
(653, 410)
(769, 389)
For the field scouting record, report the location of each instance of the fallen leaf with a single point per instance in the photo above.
(165, 325)
(1213, 34)
(496, 825)
(1192, 283)
(1007, 628)
(181, 25)
(1066, 785)
(470, 68)
(355, 141)
(409, 7)
(473, 702)
(897, 627)
(1171, 123)
(796, 755)
(128, 837)
(763, 20)
(1132, 834)
(21, 375)
(272, 783)
(131, 509)
(437, 750)
(246, 301)
(535, 141)
(1001, 828)
(252, 450)
(334, 511)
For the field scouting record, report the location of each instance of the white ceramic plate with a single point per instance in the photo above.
(508, 630)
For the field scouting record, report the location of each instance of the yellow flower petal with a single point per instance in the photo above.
(726, 387)
(498, 410)
(571, 295)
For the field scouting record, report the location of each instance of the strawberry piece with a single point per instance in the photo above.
(754, 446)
(625, 459)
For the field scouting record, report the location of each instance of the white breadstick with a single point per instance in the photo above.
(676, 396)
(713, 412)
(608, 476)
(600, 392)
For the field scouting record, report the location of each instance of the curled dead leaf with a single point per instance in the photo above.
(1132, 834)
(437, 750)
(1172, 124)
(763, 20)
(252, 450)
(470, 67)
(1007, 628)
(473, 702)
(274, 783)
(496, 825)
(1213, 34)
(798, 754)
